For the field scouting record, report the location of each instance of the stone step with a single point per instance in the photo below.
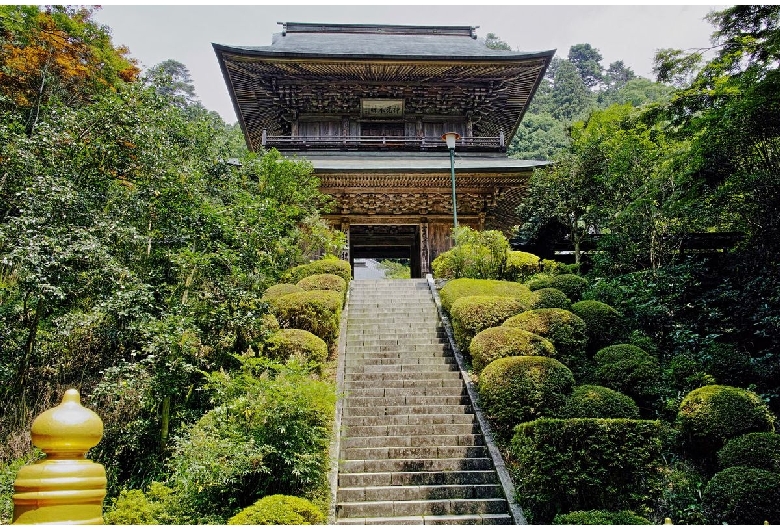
(408, 419)
(410, 430)
(411, 493)
(391, 392)
(440, 360)
(416, 465)
(418, 453)
(412, 440)
(421, 507)
(398, 369)
(408, 409)
(375, 347)
(418, 478)
(396, 379)
(397, 401)
(474, 519)
(397, 355)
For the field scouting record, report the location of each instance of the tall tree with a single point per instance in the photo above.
(172, 80)
(587, 60)
(494, 42)
(570, 96)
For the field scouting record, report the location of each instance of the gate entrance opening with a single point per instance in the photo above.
(386, 242)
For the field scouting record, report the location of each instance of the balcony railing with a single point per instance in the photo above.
(374, 143)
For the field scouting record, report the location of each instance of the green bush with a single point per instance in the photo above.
(561, 327)
(680, 498)
(472, 314)
(603, 324)
(760, 450)
(323, 282)
(280, 289)
(288, 344)
(600, 517)
(566, 465)
(279, 509)
(455, 289)
(629, 369)
(324, 266)
(513, 390)
(592, 401)
(711, 415)
(159, 505)
(570, 284)
(742, 495)
(475, 255)
(498, 342)
(318, 312)
(549, 298)
(521, 265)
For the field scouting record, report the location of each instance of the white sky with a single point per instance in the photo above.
(185, 33)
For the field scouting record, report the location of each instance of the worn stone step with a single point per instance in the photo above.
(418, 453)
(421, 507)
(408, 419)
(474, 519)
(408, 409)
(410, 493)
(395, 361)
(410, 430)
(416, 465)
(413, 350)
(400, 369)
(417, 440)
(357, 357)
(409, 380)
(458, 390)
(420, 478)
(396, 401)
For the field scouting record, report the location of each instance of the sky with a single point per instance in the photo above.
(185, 33)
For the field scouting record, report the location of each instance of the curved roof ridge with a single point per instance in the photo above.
(394, 29)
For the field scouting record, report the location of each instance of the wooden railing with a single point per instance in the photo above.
(407, 143)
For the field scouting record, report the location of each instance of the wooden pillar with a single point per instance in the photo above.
(425, 264)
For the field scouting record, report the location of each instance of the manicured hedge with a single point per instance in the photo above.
(604, 325)
(472, 314)
(468, 261)
(549, 297)
(628, 369)
(324, 266)
(742, 495)
(713, 414)
(286, 344)
(279, 509)
(323, 282)
(563, 328)
(280, 289)
(521, 265)
(600, 517)
(513, 390)
(572, 285)
(593, 401)
(494, 343)
(316, 311)
(566, 465)
(455, 289)
(760, 450)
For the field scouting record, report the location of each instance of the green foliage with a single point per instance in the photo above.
(550, 298)
(280, 289)
(279, 509)
(472, 314)
(475, 255)
(498, 342)
(742, 495)
(521, 265)
(680, 499)
(316, 311)
(513, 390)
(323, 282)
(600, 517)
(629, 369)
(455, 289)
(561, 327)
(603, 324)
(711, 415)
(760, 450)
(570, 284)
(328, 265)
(299, 344)
(159, 505)
(560, 466)
(267, 434)
(592, 401)
(396, 269)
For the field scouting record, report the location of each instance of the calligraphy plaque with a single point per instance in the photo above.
(382, 108)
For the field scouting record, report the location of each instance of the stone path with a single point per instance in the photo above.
(411, 451)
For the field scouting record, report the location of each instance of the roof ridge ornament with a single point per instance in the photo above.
(393, 29)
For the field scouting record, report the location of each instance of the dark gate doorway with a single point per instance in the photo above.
(386, 242)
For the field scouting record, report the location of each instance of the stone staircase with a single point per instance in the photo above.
(411, 451)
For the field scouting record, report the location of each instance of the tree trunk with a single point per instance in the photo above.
(165, 423)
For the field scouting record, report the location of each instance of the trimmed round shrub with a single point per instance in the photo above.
(324, 266)
(521, 265)
(279, 509)
(760, 450)
(514, 390)
(472, 314)
(323, 282)
(566, 465)
(742, 495)
(494, 343)
(593, 401)
(462, 287)
(572, 285)
(549, 298)
(713, 414)
(286, 344)
(629, 369)
(467, 261)
(561, 327)
(600, 517)
(603, 324)
(280, 289)
(316, 311)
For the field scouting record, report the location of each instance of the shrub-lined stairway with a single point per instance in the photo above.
(411, 451)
